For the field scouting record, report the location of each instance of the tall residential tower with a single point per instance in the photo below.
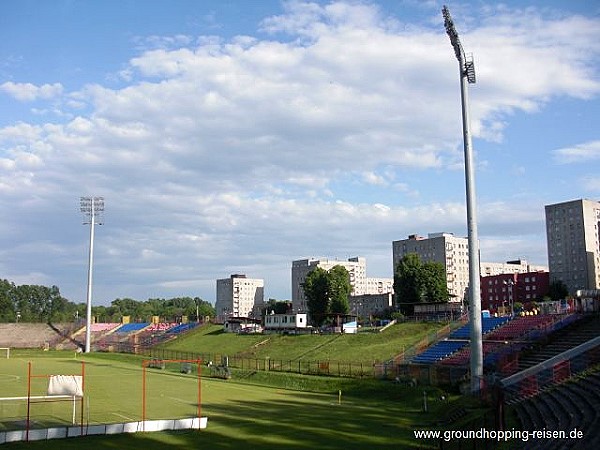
(445, 248)
(239, 296)
(573, 244)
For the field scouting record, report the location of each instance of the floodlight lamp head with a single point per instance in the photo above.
(452, 33)
(92, 208)
(466, 63)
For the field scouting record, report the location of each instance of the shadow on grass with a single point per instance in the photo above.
(294, 421)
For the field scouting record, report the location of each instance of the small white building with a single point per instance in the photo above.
(242, 325)
(274, 322)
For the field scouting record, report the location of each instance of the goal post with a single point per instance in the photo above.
(168, 367)
(60, 388)
(5, 352)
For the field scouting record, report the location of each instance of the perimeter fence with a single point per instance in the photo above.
(356, 369)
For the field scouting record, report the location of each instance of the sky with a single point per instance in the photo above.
(238, 136)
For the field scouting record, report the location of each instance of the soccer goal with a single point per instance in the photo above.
(52, 400)
(49, 406)
(5, 352)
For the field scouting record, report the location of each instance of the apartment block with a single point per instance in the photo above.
(573, 243)
(445, 248)
(239, 296)
(453, 253)
(357, 270)
(367, 305)
(515, 266)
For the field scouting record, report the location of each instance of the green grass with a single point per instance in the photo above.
(363, 347)
(252, 410)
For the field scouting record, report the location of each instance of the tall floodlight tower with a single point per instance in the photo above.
(92, 208)
(466, 69)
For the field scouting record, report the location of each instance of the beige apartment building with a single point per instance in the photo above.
(453, 253)
(357, 270)
(239, 296)
(445, 248)
(573, 243)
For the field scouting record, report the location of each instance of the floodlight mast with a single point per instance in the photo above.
(467, 75)
(92, 208)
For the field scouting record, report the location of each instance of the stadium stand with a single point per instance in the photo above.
(32, 335)
(567, 337)
(463, 356)
(103, 327)
(160, 327)
(487, 325)
(131, 327)
(182, 328)
(519, 327)
(571, 405)
(439, 351)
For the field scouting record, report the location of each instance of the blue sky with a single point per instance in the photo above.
(237, 136)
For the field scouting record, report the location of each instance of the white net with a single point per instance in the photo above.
(66, 385)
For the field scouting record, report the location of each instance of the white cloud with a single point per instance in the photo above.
(373, 178)
(222, 154)
(27, 92)
(580, 153)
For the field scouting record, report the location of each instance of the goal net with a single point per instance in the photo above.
(51, 400)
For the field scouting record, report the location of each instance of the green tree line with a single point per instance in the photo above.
(35, 303)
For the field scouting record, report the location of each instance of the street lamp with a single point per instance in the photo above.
(466, 69)
(92, 208)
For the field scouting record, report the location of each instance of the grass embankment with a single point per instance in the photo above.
(364, 347)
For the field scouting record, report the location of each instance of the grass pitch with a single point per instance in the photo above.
(368, 414)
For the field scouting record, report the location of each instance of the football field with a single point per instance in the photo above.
(239, 414)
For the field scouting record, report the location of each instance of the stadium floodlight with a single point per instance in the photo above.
(92, 208)
(467, 75)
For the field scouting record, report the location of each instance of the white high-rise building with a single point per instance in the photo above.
(357, 270)
(516, 266)
(445, 248)
(573, 243)
(239, 296)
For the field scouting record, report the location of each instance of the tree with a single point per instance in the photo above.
(35, 303)
(434, 282)
(326, 293)
(407, 282)
(339, 289)
(7, 306)
(558, 290)
(416, 282)
(316, 291)
(205, 309)
(276, 307)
